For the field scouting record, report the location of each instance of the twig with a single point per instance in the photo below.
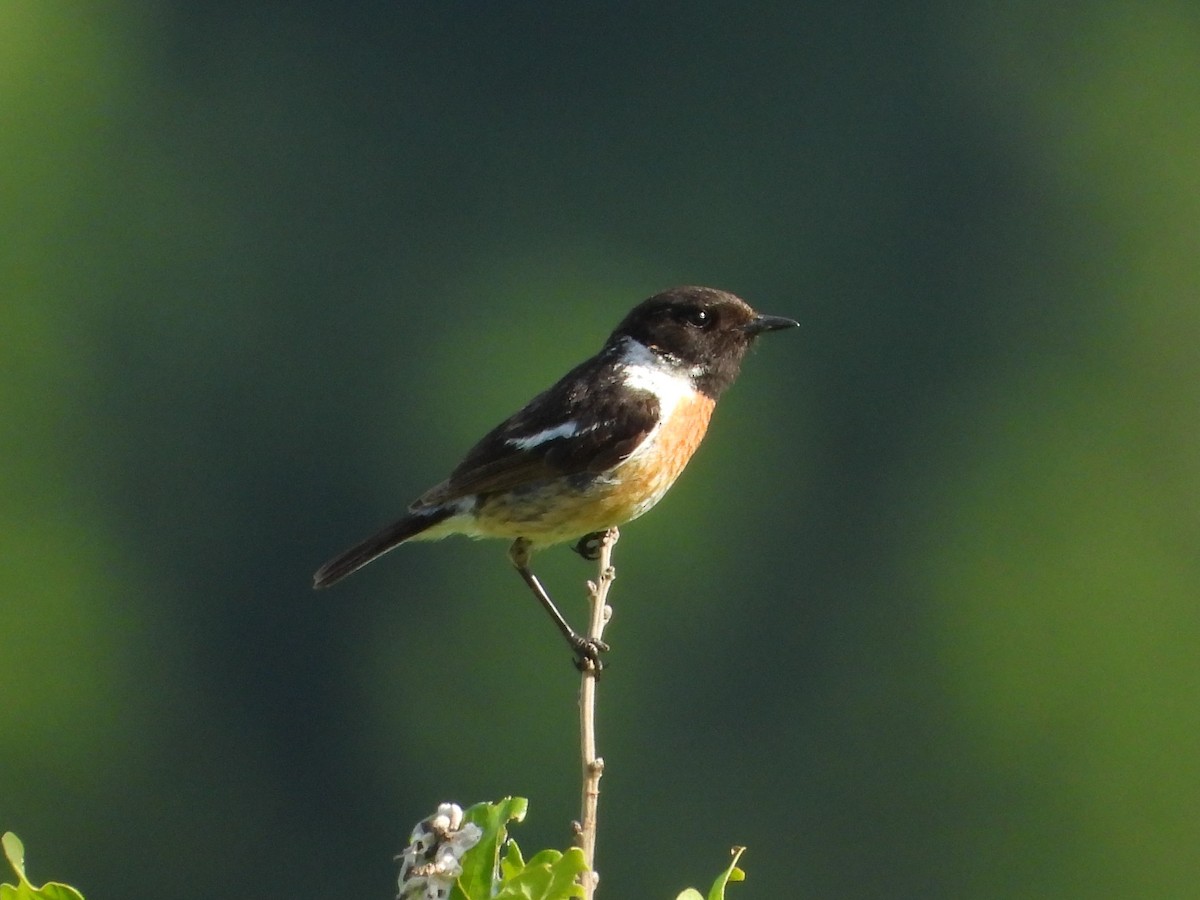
(593, 765)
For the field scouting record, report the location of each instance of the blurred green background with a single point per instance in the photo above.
(921, 620)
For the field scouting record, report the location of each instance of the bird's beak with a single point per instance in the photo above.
(759, 324)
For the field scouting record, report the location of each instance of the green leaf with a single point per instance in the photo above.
(513, 862)
(481, 863)
(14, 850)
(549, 875)
(733, 873)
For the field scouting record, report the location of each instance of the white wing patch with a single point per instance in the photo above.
(565, 430)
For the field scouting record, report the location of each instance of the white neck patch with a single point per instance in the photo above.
(640, 368)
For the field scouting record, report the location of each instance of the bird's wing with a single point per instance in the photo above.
(586, 423)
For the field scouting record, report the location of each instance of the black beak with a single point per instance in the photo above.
(759, 324)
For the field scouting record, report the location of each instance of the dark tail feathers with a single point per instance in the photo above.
(377, 545)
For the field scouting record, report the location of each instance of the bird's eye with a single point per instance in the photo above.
(698, 318)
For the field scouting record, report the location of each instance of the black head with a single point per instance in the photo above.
(701, 330)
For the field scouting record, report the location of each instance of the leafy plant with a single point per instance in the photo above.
(717, 891)
(457, 855)
(23, 890)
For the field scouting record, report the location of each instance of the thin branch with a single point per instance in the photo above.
(593, 765)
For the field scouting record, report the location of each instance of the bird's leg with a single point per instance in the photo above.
(587, 650)
(588, 546)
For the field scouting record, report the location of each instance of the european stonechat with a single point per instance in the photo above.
(597, 449)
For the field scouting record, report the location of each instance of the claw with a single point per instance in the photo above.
(589, 545)
(587, 654)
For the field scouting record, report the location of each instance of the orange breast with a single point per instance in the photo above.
(647, 475)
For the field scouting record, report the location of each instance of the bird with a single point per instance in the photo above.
(596, 450)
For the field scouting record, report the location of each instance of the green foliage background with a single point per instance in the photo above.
(921, 619)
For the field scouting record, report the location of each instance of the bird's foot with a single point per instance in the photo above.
(587, 653)
(589, 545)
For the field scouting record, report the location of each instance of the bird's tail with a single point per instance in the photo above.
(378, 544)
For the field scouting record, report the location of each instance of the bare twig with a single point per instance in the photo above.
(593, 765)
